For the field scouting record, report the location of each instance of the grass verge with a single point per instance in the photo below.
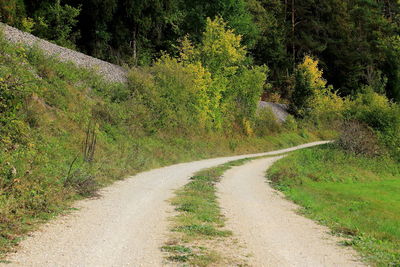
(357, 197)
(199, 221)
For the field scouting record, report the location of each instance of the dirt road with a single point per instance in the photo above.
(124, 227)
(267, 223)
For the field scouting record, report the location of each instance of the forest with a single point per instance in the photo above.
(356, 41)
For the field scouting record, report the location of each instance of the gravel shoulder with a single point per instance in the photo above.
(274, 234)
(126, 226)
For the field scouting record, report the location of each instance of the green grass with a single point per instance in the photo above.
(199, 218)
(355, 196)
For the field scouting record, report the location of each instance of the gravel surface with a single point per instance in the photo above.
(280, 110)
(268, 224)
(126, 226)
(110, 72)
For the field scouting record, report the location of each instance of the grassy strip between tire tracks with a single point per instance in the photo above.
(199, 219)
(357, 197)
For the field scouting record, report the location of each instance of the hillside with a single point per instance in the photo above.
(108, 71)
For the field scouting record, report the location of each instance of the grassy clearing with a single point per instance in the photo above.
(357, 197)
(199, 219)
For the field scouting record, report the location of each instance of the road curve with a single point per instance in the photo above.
(124, 227)
(268, 225)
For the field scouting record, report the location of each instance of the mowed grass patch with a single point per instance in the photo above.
(199, 218)
(355, 196)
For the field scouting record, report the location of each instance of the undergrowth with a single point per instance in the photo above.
(356, 196)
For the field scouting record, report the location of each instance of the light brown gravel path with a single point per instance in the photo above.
(275, 235)
(126, 226)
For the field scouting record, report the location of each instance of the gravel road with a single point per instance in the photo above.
(124, 227)
(274, 234)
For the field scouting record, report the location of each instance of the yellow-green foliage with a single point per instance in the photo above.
(326, 106)
(309, 66)
(308, 82)
(380, 114)
(220, 49)
(27, 24)
(208, 86)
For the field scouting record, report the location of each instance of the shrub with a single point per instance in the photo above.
(82, 182)
(241, 99)
(208, 87)
(177, 95)
(326, 107)
(290, 123)
(358, 138)
(12, 11)
(379, 114)
(266, 123)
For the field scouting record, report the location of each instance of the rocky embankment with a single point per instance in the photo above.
(111, 72)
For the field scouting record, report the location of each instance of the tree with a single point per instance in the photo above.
(234, 12)
(270, 48)
(56, 22)
(308, 82)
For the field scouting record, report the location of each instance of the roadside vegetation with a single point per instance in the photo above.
(356, 196)
(199, 222)
(65, 132)
(353, 185)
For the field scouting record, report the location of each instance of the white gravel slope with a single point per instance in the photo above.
(273, 232)
(126, 226)
(110, 72)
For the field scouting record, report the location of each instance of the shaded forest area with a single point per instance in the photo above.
(356, 41)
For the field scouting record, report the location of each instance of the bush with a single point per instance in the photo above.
(82, 182)
(326, 107)
(381, 115)
(12, 11)
(290, 123)
(266, 123)
(358, 138)
(202, 89)
(175, 95)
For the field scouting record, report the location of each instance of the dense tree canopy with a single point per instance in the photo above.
(356, 41)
